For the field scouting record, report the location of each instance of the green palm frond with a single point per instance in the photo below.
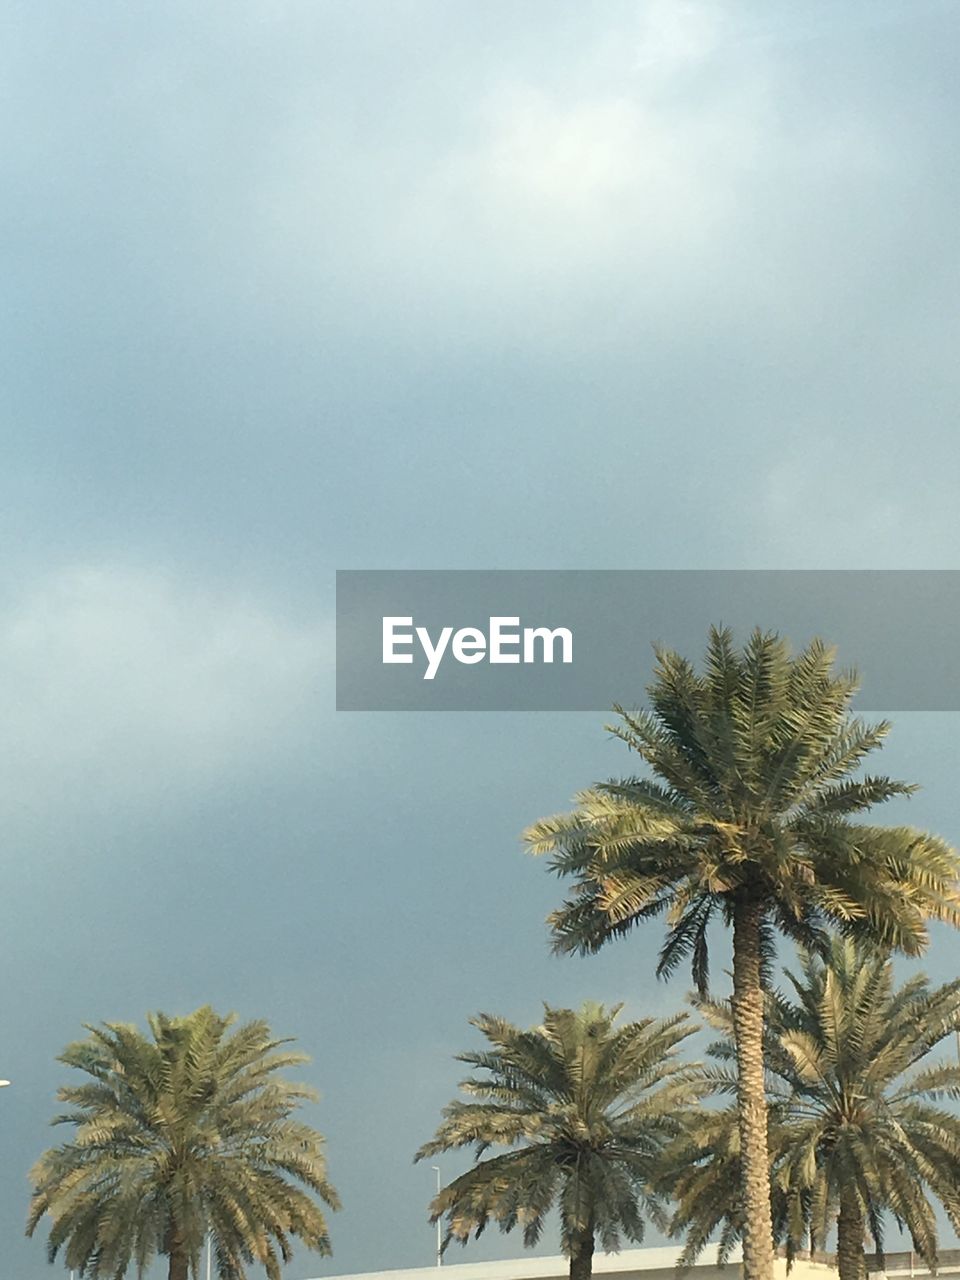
(183, 1131)
(754, 813)
(852, 1103)
(583, 1106)
(752, 792)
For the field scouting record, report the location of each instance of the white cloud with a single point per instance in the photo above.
(121, 687)
(677, 34)
(542, 209)
(524, 223)
(561, 186)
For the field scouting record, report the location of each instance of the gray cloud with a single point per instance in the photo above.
(120, 687)
(292, 286)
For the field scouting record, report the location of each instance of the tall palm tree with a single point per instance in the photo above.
(183, 1131)
(858, 1129)
(748, 819)
(584, 1107)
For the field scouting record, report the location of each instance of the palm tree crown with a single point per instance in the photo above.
(858, 1127)
(752, 798)
(583, 1107)
(183, 1131)
(750, 818)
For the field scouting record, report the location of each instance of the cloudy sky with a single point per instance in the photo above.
(298, 285)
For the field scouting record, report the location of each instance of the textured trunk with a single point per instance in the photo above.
(581, 1258)
(179, 1268)
(751, 1092)
(851, 1260)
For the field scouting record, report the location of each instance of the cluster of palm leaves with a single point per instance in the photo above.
(750, 815)
(586, 1110)
(856, 1123)
(183, 1132)
(607, 1124)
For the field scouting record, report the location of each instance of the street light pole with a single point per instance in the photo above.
(436, 1170)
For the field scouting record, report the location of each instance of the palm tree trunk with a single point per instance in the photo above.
(179, 1268)
(851, 1260)
(581, 1257)
(751, 1091)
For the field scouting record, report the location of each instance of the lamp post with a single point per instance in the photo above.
(436, 1170)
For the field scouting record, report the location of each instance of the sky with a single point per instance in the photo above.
(295, 285)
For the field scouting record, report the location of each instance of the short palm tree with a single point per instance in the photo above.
(856, 1127)
(183, 1131)
(583, 1108)
(749, 818)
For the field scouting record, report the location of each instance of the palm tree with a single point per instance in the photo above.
(584, 1108)
(748, 819)
(857, 1129)
(183, 1131)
